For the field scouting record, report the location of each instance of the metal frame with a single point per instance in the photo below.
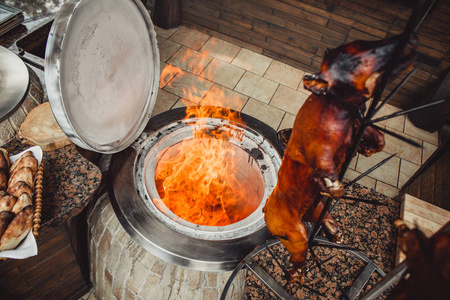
(367, 120)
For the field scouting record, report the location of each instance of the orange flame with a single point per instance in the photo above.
(167, 74)
(200, 179)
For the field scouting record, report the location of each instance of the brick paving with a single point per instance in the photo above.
(122, 269)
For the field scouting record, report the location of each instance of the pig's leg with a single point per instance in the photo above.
(371, 142)
(284, 222)
(332, 229)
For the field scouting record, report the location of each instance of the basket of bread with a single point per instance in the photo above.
(20, 202)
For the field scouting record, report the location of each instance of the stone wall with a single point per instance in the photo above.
(122, 269)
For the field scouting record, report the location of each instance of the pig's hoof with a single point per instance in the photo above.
(333, 232)
(335, 188)
(297, 275)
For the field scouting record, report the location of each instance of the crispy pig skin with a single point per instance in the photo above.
(323, 132)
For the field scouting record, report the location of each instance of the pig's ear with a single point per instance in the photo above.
(315, 84)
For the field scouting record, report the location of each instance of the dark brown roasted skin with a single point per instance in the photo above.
(323, 132)
(428, 265)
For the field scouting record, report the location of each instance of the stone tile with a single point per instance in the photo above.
(386, 189)
(284, 74)
(190, 37)
(432, 138)
(270, 115)
(100, 276)
(252, 61)
(190, 60)
(397, 123)
(192, 294)
(220, 49)
(180, 274)
(158, 267)
(137, 278)
(114, 225)
(183, 103)
(91, 295)
(388, 173)
(427, 150)
(167, 48)
(122, 273)
(147, 260)
(118, 290)
(211, 279)
(113, 255)
(108, 214)
(97, 233)
(122, 237)
(150, 286)
(223, 73)
(188, 86)
(403, 149)
(178, 292)
(365, 181)
(288, 99)
(194, 279)
(165, 33)
(164, 102)
(94, 257)
(129, 295)
(163, 293)
(407, 169)
(287, 122)
(352, 164)
(105, 242)
(108, 284)
(167, 276)
(169, 287)
(209, 294)
(167, 73)
(257, 87)
(223, 97)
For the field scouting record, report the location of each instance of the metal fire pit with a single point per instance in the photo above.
(135, 198)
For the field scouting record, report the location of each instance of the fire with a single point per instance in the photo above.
(167, 74)
(200, 179)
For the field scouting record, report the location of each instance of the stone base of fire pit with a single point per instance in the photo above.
(121, 269)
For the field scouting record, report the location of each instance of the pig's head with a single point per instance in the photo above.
(352, 71)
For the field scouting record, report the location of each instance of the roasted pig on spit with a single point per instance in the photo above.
(322, 135)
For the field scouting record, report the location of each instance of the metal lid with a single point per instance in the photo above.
(14, 80)
(102, 72)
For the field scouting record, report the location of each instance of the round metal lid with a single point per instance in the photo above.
(14, 80)
(102, 72)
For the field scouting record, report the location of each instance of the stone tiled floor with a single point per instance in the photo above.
(273, 92)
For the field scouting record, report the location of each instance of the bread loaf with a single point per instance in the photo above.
(17, 229)
(16, 204)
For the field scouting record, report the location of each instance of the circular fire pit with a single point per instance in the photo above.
(138, 205)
